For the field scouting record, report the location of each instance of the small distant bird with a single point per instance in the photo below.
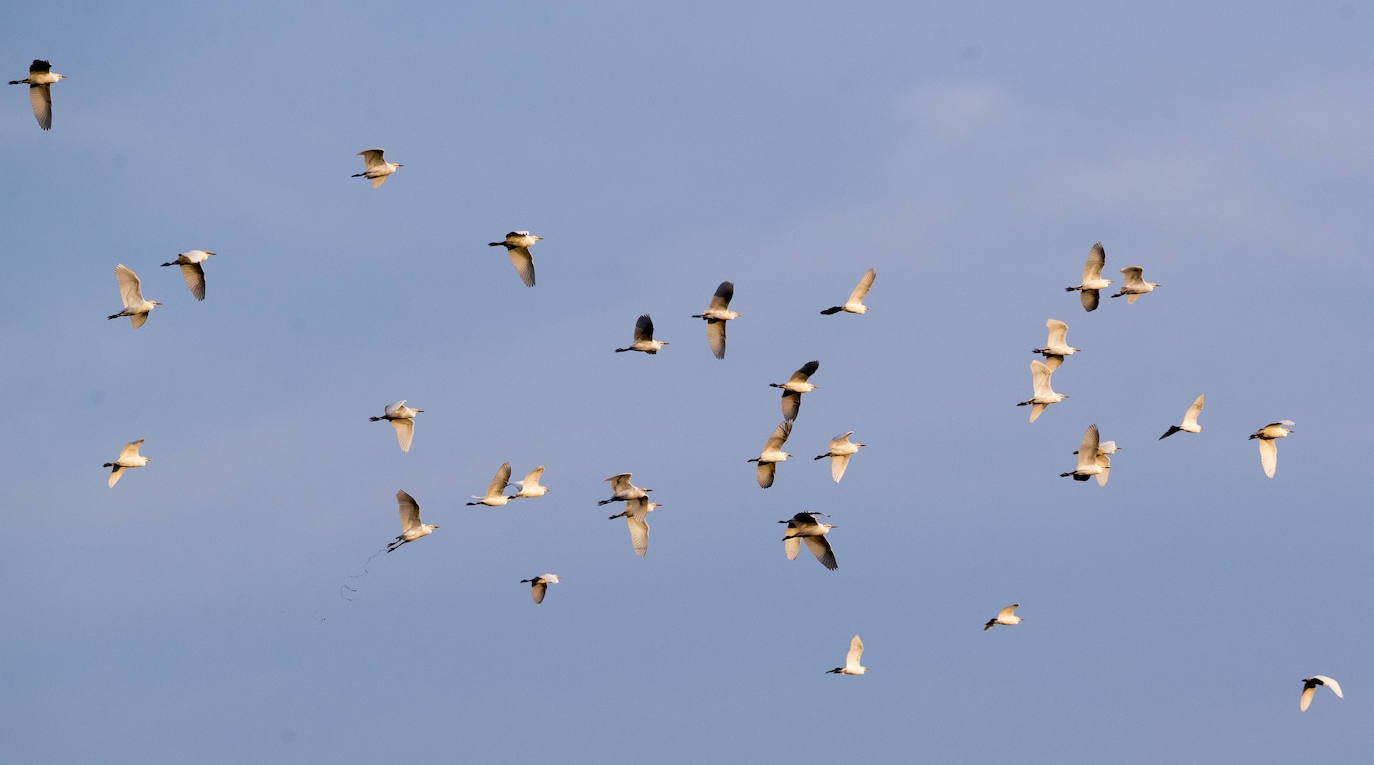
(622, 490)
(855, 303)
(378, 169)
(128, 458)
(1309, 688)
(40, 80)
(402, 418)
(131, 291)
(540, 585)
(851, 661)
(1105, 450)
(804, 527)
(841, 449)
(411, 528)
(795, 386)
(1006, 616)
(1093, 283)
(635, 515)
(1135, 285)
(1057, 346)
(1189, 424)
(530, 487)
(716, 315)
(1042, 394)
(1088, 465)
(1269, 451)
(192, 271)
(644, 337)
(517, 244)
(772, 454)
(496, 496)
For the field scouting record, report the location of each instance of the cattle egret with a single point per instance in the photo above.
(40, 80)
(530, 487)
(540, 585)
(517, 244)
(1006, 616)
(1189, 424)
(1269, 451)
(495, 496)
(851, 661)
(411, 528)
(128, 458)
(1135, 285)
(841, 449)
(131, 291)
(644, 341)
(772, 454)
(1057, 346)
(402, 418)
(804, 527)
(1089, 289)
(795, 386)
(192, 271)
(855, 303)
(1105, 450)
(1043, 394)
(716, 315)
(1088, 465)
(635, 513)
(378, 169)
(622, 490)
(1309, 688)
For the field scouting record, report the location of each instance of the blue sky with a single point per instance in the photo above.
(971, 155)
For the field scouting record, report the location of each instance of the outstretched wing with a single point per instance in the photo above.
(804, 374)
(856, 653)
(1092, 270)
(130, 288)
(724, 293)
(524, 264)
(1190, 417)
(405, 432)
(1269, 456)
(644, 328)
(820, 547)
(500, 481)
(865, 284)
(40, 97)
(410, 511)
(715, 336)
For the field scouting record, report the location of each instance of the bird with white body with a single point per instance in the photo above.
(1105, 450)
(192, 270)
(530, 486)
(644, 341)
(622, 490)
(636, 517)
(1088, 463)
(1269, 451)
(855, 303)
(40, 81)
(540, 585)
(1309, 688)
(1006, 617)
(376, 168)
(411, 527)
(496, 496)
(402, 418)
(772, 454)
(131, 292)
(1057, 346)
(1090, 289)
(517, 244)
(1189, 424)
(851, 660)
(128, 458)
(805, 527)
(716, 315)
(1042, 395)
(795, 386)
(841, 449)
(1135, 285)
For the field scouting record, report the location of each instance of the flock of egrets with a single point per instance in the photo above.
(1094, 455)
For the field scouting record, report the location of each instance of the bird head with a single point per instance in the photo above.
(155, 302)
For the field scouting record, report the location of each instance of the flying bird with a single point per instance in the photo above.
(496, 496)
(377, 168)
(1309, 688)
(772, 454)
(411, 528)
(1042, 394)
(635, 515)
(402, 418)
(540, 585)
(1006, 616)
(192, 271)
(1105, 450)
(1057, 346)
(855, 303)
(1089, 290)
(644, 337)
(517, 244)
(795, 386)
(1088, 464)
(1135, 285)
(851, 661)
(622, 490)
(128, 458)
(40, 80)
(1269, 451)
(841, 449)
(531, 487)
(716, 315)
(804, 527)
(131, 292)
(1189, 424)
